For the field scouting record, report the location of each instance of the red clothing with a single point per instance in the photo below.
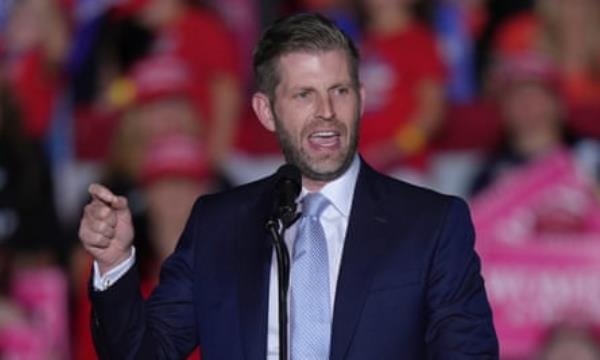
(202, 40)
(393, 67)
(198, 39)
(523, 34)
(36, 90)
(252, 138)
(518, 35)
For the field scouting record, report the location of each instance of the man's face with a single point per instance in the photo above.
(315, 112)
(530, 108)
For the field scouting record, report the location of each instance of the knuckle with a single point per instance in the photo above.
(104, 211)
(101, 226)
(99, 240)
(109, 232)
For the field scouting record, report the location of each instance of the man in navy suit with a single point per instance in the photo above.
(403, 279)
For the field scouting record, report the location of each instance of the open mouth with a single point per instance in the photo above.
(324, 139)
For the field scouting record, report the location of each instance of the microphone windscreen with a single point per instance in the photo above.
(289, 172)
(287, 189)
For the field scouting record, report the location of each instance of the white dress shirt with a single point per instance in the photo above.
(103, 282)
(334, 220)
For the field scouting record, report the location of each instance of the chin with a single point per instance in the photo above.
(326, 170)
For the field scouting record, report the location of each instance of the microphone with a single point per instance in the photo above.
(287, 189)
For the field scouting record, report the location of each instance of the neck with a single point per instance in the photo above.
(313, 185)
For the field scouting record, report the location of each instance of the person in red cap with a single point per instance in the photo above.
(157, 100)
(201, 40)
(174, 169)
(567, 32)
(527, 89)
(156, 149)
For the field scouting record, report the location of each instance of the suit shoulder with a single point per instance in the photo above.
(415, 191)
(419, 198)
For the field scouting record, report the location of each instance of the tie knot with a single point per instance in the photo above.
(313, 204)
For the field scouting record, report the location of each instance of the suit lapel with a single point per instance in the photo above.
(254, 256)
(365, 242)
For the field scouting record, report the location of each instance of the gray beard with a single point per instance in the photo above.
(295, 156)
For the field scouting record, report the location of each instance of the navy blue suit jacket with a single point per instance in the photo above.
(409, 285)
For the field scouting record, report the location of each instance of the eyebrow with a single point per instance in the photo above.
(339, 85)
(312, 88)
(302, 88)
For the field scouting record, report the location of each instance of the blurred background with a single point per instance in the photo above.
(497, 101)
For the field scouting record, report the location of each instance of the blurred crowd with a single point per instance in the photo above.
(151, 98)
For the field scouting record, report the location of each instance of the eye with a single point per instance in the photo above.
(342, 90)
(304, 94)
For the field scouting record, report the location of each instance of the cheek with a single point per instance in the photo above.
(529, 100)
(346, 106)
(292, 119)
(513, 107)
(348, 111)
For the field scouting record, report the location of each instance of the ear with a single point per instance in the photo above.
(262, 108)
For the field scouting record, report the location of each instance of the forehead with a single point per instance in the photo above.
(313, 68)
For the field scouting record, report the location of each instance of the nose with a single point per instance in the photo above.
(326, 109)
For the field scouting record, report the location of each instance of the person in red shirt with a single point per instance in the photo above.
(35, 44)
(201, 39)
(403, 76)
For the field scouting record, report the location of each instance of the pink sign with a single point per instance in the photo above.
(41, 295)
(538, 234)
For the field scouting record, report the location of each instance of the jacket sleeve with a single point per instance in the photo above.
(460, 322)
(163, 327)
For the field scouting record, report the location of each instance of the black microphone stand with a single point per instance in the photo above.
(277, 229)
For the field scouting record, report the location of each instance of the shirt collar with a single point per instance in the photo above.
(340, 191)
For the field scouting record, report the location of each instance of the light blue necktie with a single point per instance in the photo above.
(310, 307)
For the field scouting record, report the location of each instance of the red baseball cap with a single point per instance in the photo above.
(153, 78)
(525, 68)
(161, 76)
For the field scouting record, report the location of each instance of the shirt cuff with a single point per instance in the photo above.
(103, 282)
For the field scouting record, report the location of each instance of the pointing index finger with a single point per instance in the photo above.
(101, 193)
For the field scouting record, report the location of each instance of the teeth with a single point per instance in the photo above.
(324, 134)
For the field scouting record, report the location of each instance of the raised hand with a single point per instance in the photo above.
(106, 230)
